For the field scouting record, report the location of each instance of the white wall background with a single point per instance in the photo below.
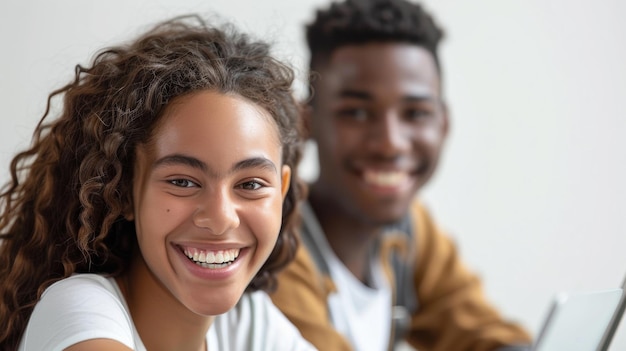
(532, 183)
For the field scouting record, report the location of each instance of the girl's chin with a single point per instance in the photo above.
(214, 303)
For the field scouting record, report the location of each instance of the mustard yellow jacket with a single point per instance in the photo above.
(447, 310)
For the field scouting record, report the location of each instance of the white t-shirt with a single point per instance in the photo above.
(89, 306)
(361, 313)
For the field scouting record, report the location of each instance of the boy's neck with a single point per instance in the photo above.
(350, 238)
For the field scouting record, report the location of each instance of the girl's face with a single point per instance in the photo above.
(207, 199)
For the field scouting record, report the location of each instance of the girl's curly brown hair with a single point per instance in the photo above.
(62, 210)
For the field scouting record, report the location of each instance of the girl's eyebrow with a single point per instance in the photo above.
(255, 162)
(180, 159)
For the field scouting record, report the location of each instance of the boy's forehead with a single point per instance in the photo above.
(323, 56)
(380, 64)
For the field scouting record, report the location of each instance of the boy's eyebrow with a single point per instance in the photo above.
(355, 94)
(419, 98)
(363, 95)
(180, 159)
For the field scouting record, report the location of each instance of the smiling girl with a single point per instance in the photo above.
(159, 203)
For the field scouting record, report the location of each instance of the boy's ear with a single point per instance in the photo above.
(446, 118)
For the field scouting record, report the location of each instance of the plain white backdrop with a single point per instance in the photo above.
(532, 184)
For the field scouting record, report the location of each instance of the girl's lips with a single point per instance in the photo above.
(212, 270)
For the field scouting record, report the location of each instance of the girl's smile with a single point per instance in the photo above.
(208, 191)
(216, 264)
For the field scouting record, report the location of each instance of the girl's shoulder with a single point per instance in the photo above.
(94, 282)
(83, 292)
(81, 307)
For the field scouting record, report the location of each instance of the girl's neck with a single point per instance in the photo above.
(162, 322)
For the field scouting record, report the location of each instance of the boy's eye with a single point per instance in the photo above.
(183, 183)
(355, 114)
(416, 113)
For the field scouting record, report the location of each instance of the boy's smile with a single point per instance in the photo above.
(379, 123)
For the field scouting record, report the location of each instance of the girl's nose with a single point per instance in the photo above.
(218, 213)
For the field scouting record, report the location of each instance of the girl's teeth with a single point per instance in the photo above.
(211, 257)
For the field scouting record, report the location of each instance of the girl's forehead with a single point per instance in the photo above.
(216, 124)
(183, 104)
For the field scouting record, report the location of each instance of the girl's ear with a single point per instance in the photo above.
(129, 216)
(128, 211)
(306, 110)
(286, 180)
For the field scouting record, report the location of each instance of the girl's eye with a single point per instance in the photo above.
(251, 185)
(183, 183)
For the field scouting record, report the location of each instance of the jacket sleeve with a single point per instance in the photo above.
(302, 295)
(452, 313)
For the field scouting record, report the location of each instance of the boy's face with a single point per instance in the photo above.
(207, 200)
(379, 123)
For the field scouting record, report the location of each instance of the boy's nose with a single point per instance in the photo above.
(389, 136)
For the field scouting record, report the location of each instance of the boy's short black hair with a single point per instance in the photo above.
(363, 21)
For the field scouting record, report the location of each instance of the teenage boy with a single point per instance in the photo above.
(374, 267)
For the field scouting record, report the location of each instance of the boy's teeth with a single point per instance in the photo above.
(211, 257)
(388, 178)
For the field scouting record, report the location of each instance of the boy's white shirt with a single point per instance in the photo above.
(362, 314)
